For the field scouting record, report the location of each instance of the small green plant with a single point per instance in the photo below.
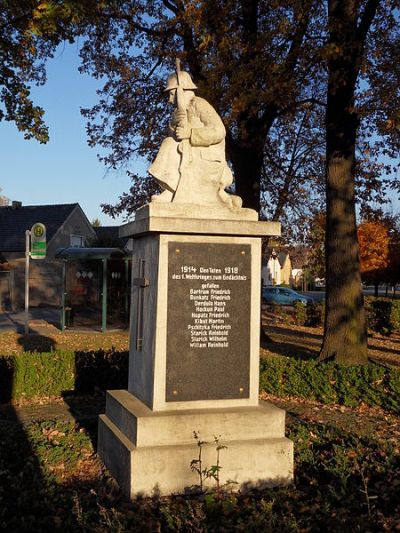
(204, 472)
(300, 313)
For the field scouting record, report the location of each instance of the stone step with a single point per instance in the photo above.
(166, 469)
(144, 427)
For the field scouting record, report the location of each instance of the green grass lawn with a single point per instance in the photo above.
(346, 479)
(347, 458)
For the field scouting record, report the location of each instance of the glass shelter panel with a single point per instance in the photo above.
(118, 291)
(83, 298)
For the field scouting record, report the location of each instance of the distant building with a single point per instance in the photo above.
(66, 225)
(277, 270)
(108, 236)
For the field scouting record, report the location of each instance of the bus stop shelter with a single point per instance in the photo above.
(95, 288)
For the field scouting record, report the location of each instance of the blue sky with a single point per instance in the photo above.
(65, 170)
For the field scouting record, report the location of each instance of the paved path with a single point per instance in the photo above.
(72, 409)
(39, 317)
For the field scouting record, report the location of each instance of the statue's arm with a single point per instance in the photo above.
(213, 131)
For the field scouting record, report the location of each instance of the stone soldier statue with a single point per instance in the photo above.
(191, 164)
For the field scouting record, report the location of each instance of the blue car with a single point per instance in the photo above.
(283, 296)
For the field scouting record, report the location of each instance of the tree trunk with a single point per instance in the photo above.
(345, 336)
(247, 164)
(345, 339)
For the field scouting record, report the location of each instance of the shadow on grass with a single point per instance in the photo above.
(36, 342)
(385, 349)
(295, 351)
(29, 501)
(291, 343)
(281, 330)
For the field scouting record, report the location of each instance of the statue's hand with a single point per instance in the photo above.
(183, 132)
(178, 117)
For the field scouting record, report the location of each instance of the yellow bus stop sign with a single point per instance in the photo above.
(38, 241)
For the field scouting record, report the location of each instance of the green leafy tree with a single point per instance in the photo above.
(30, 31)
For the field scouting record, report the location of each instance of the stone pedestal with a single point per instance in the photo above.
(194, 356)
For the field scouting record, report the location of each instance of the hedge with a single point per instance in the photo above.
(331, 383)
(383, 315)
(52, 374)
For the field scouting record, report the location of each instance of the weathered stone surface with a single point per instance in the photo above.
(176, 386)
(148, 366)
(191, 164)
(200, 226)
(144, 427)
(157, 454)
(177, 210)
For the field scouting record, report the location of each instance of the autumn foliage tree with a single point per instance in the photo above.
(258, 62)
(373, 239)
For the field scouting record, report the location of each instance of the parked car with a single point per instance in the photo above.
(284, 296)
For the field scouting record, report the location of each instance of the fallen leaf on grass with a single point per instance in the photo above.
(52, 433)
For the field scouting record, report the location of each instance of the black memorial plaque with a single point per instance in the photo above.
(208, 326)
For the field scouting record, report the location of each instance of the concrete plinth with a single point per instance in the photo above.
(148, 451)
(194, 356)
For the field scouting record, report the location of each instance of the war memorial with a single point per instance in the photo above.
(195, 326)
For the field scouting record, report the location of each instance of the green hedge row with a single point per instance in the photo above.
(52, 374)
(331, 383)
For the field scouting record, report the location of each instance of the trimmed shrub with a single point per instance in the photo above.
(311, 314)
(383, 315)
(51, 374)
(315, 314)
(101, 370)
(36, 374)
(300, 313)
(332, 383)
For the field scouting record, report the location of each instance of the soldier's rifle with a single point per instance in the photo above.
(184, 146)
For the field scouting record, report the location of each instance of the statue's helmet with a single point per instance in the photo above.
(185, 82)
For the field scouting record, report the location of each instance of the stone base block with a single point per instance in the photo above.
(150, 452)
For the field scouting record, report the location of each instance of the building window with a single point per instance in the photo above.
(77, 241)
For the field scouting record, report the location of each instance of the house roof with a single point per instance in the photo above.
(109, 236)
(282, 258)
(108, 231)
(14, 221)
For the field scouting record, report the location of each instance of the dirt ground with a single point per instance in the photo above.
(47, 339)
(361, 421)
